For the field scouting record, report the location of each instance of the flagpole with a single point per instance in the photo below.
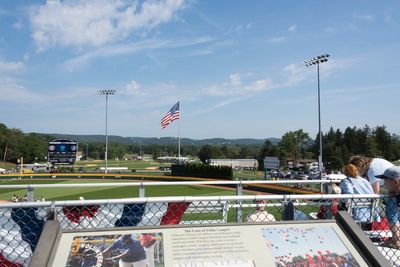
(179, 134)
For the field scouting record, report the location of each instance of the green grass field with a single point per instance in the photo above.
(116, 191)
(141, 166)
(138, 165)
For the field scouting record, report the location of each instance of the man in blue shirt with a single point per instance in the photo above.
(133, 254)
(391, 177)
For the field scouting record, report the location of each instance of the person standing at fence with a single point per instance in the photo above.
(133, 254)
(391, 178)
(260, 215)
(355, 184)
(370, 168)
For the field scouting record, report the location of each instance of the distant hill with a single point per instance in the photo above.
(163, 140)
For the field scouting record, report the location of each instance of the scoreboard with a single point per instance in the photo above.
(62, 151)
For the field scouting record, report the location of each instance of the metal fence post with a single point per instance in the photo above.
(141, 190)
(52, 212)
(30, 195)
(239, 212)
(326, 188)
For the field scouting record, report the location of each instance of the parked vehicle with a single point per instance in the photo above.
(303, 176)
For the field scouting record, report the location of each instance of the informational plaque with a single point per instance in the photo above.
(212, 246)
(338, 242)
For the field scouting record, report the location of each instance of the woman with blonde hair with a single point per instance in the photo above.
(354, 183)
(370, 168)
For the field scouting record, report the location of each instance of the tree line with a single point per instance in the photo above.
(338, 147)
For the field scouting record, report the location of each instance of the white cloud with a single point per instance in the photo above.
(133, 88)
(297, 74)
(369, 18)
(207, 19)
(96, 23)
(236, 87)
(275, 40)
(18, 25)
(191, 53)
(335, 64)
(221, 104)
(342, 94)
(242, 27)
(235, 79)
(292, 28)
(388, 17)
(26, 57)
(122, 49)
(11, 66)
(258, 85)
(330, 30)
(12, 92)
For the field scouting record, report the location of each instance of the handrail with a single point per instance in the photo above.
(186, 199)
(118, 184)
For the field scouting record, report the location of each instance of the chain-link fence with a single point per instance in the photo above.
(22, 223)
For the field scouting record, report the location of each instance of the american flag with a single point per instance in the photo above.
(172, 114)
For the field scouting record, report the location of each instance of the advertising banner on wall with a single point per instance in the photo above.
(271, 163)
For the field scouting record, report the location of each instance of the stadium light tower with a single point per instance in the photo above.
(316, 61)
(106, 93)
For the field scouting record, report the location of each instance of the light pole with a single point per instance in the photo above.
(106, 93)
(316, 61)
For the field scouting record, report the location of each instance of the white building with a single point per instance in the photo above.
(172, 159)
(237, 164)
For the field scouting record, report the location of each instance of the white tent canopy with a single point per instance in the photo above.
(334, 176)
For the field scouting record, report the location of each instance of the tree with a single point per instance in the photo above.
(295, 144)
(244, 152)
(350, 139)
(205, 153)
(384, 143)
(4, 141)
(333, 156)
(33, 148)
(268, 150)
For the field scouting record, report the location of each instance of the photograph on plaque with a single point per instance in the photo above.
(307, 246)
(142, 249)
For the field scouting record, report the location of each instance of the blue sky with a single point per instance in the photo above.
(237, 66)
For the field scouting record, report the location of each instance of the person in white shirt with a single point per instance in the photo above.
(370, 168)
(260, 215)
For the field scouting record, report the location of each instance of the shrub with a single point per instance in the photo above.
(201, 170)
